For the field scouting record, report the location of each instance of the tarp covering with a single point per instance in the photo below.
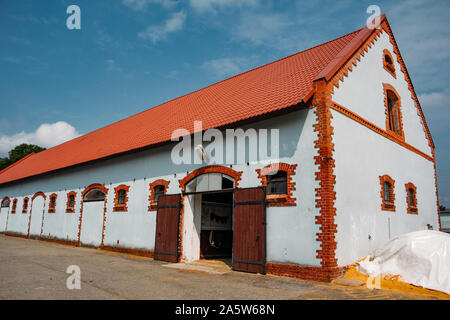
(421, 258)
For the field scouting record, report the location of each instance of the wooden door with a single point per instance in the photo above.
(249, 230)
(167, 228)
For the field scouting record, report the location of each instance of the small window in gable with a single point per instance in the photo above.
(14, 206)
(52, 203)
(70, 206)
(388, 63)
(25, 205)
(158, 188)
(277, 179)
(121, 199)
(387, 193)
(411, 198)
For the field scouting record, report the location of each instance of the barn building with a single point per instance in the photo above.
(356, 167)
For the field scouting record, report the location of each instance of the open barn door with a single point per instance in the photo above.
(167, 228)
(249, 231)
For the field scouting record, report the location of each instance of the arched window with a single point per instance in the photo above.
(158, 188)
(70, 205)
(393, 111)
(25, 205)
(121, 199)
(387, 193)
(94, 195)
(52, 203)
(388, 62)
(5, 203)
(211, 181)
(277, 179)
(411, 198)
(14, 206)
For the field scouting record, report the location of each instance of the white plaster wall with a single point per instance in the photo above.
(18, 222)
(36, 216)
(192, 227)
(362, 92)
(92, 223)
(136, 227)
(3, 218)
(62, 225)
(291, 231)
(362, 156)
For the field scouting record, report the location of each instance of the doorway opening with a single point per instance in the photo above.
(216, 233)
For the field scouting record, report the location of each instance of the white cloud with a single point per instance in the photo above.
(214, 5)
(260, 28)
(157, 33)
(47, 135)
(143, 4)
(224, 67)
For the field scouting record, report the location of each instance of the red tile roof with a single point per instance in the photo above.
(268, 88)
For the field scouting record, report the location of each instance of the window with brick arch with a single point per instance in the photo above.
(14, 206)
(70, 205)
(388, 62)
(411, 198)
(52, 204)
(158, 188)
(5, 203)
(393, 111)
(25, 205)
(277, 179)
(121, 198)
(387, 193)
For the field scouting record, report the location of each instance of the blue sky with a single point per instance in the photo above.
(131, 55)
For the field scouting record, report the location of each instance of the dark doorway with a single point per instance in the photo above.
(216, 235)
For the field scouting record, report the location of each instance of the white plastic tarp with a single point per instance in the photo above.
(421, 258)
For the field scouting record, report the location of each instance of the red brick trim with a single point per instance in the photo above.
(356, 57)
(325, 194)
(31, 211)
(105, 191)
(65, 242)
(387, 206)
(411, 209)
(135, 252)
(279, 200)
(378, 130)
(39, 194)
(50, 208)
(120, 207)
(25, 207)
(389, 67)
(68, 208)
(151, 198)
(400, 134)
(236, 175)
(304, 272)
(386, 27)
(14, 206)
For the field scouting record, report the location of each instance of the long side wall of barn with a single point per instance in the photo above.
(291, 230)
